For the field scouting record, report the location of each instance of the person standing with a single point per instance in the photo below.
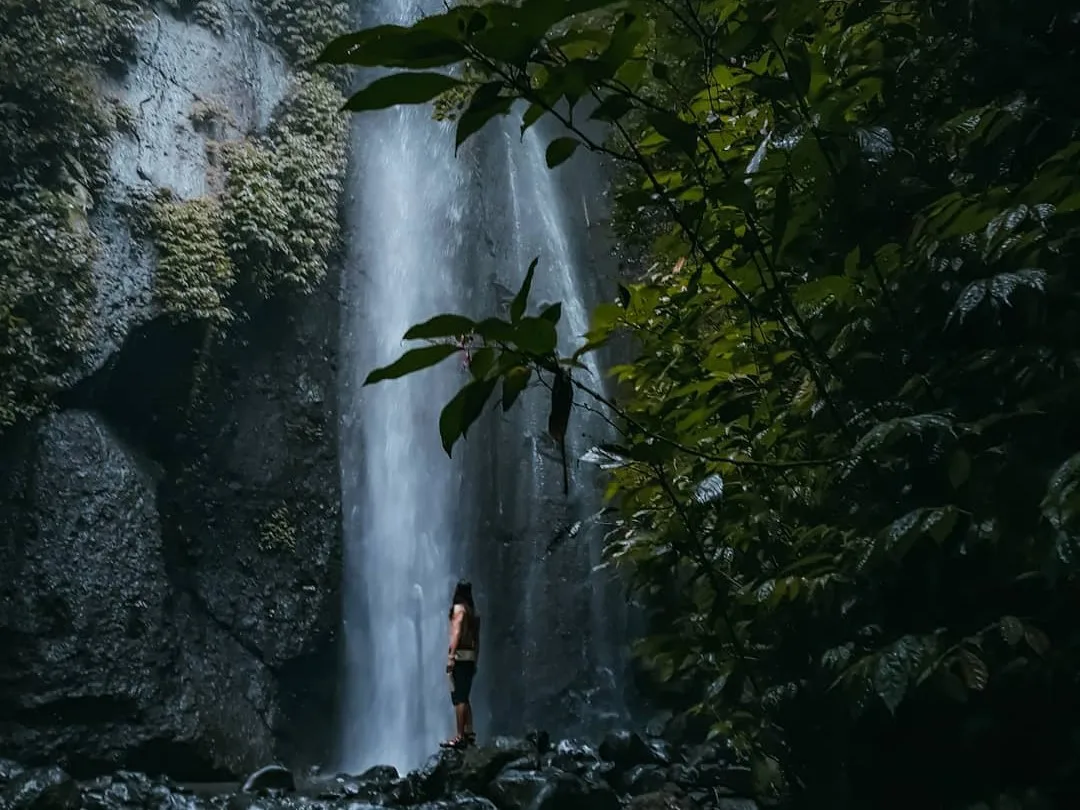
(462, 660)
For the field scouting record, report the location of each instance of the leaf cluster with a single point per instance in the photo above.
(849, 471)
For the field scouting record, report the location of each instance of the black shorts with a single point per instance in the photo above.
(461, 679)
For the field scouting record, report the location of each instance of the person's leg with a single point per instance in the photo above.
(466, 693)
(461, 716)
(469, 731)
(459, 703)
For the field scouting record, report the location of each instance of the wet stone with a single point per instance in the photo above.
(41, 789)
(270, 777)
(644, 779)
(517, 790)
(626, 749)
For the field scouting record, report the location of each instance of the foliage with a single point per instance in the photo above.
(280, 204)
(277, 532)
(302, 29)
(45, 256)
(277, 217)
(848, 478)
(53, 130)
(194, 273)
(207, 13)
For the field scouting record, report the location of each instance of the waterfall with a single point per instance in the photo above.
(432, 232)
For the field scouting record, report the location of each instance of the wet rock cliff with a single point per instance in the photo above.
(169, 507)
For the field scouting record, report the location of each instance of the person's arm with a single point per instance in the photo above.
(476, 619)
(455, 633)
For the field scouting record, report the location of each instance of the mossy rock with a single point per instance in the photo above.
(194, 273)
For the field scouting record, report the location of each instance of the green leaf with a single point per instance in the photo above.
(481, 362)
(521, 299)
(674, 129)
(441, 326)
(533, 114)
(400, 88)
(536, 336)
(486, 103)
(781, 214)
(561, 150)
(514, 382)
(890, 679)
(412, 360)
(495, 330)
(612, 108)
(461, 411)
(552, 312)
(562, 402)
(973, 670)
(394, 46)
(959, 468)
(1012, 630)
(1036, 639)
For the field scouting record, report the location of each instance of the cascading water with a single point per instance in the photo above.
(400, 491)
(430, 232)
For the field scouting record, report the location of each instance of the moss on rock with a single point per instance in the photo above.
(194, 274)
(283, 192)
(45, 258)
(54, 128)
(302, 29)
(277, 533)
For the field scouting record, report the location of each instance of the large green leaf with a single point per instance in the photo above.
(400, 88)
(441, 326)
(521, 298)
(463, 410)
(514, 382)
(394, 46)
(536, 335)
(561, 150)
(412, 360)
(486, 103)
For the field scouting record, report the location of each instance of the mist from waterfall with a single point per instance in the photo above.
(429, 233)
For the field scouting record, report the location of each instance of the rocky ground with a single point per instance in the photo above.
(625, 771)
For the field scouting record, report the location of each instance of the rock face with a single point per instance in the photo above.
(170, 536)
(189, 85)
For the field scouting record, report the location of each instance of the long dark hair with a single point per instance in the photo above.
(462, 596)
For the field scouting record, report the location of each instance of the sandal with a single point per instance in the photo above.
(457, 743)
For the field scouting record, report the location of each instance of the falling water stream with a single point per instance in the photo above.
(432, 232)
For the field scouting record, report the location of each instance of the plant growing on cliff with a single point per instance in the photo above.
(848, 471)
(194, 273)
(53, 131)
(281, 197)
(302, 29)
(277, 533)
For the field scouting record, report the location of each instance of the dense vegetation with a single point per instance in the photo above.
(53, 128)
(274, 228)
(849, 478)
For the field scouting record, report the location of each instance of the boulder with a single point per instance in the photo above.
(108, 660)
(661, 800)
(644, 779)
(518, 790)
(270, 777)
(9, 769)
(574, 756)
(41, 789)
(626, 749)
(566, 791)
(460, 802)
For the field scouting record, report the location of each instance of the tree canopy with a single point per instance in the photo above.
(848, 478)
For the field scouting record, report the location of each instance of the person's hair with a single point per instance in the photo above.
(462, 596)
